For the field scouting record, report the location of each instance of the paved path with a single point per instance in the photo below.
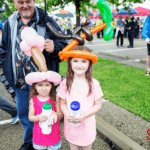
(128, 56)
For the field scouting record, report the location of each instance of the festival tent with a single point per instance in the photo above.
(142, 11)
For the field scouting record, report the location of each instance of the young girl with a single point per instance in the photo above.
(42, 91)
(80, 86)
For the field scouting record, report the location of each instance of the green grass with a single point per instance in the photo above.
(125, 86)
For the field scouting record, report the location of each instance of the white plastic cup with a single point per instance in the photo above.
(46, 111)
(75, 110)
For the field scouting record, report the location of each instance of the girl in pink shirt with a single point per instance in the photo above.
(80, 86)
(43, 91)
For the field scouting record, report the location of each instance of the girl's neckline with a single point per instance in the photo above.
(84, 89)
(42, 101)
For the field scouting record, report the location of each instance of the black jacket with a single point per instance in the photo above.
(131, 24)
(52, 60)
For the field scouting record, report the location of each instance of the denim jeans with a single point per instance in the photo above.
(8, 107)
(22, 101)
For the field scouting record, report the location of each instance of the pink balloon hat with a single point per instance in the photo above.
(35, 77)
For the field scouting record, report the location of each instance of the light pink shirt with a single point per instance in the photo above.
(85, 133)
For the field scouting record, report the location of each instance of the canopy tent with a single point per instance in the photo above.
(142, 11)
(64, 14)
(126, 12)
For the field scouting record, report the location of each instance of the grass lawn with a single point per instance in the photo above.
(125, 86)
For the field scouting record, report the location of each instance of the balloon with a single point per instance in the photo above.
(39, 58)
(40, 41)
(27, 31)
(35, 77)
(33, 45)
(24, 47)
(80, 54)
(107, 18)
(31, 40)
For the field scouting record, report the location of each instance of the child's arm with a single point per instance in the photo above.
(64, 109)
(32, 116)
(97, 107)
(58, 110)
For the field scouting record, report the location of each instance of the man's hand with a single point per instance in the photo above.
(147, 41)
(129, 28)
(49, 46)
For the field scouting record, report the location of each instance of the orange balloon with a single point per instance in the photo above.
(80, 54)
(39, 58)
(72, 44)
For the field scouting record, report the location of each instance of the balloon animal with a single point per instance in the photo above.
(33, 45)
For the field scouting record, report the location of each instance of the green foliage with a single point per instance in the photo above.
(52, 5)
(3, 17)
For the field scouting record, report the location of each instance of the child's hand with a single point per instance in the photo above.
(69, 117)
(53, 118)
(42, 118)
(79, 119)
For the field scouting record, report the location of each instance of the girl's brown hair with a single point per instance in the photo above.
(70, 73)
(51, 94)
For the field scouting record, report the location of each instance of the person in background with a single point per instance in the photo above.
(0, 34)
(99, 22)
(17, 64)
(120, 31)
(1, 26)
(146, 37)
(68, 26)
(9, 108)
(72, 26)
(57, 20)
(125, 27)
(90, 27)
(114, 27)
(137, 27)
(131, 29)
(64, 25)
(60, 23)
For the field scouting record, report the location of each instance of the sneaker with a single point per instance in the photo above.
(26, 146)
(147, 73)
(117, 45)
(15, 119)
(122, 46)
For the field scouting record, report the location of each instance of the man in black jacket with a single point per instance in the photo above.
(131, 29)
(17, 65)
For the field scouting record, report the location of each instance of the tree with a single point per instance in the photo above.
(8, 5)
(81, 5)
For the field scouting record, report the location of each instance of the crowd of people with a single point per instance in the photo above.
(65, 24)
(127, 28)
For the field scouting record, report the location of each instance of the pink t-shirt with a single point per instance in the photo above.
(85, 133)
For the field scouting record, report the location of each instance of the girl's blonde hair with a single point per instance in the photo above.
(70, 73)
(51, 94)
